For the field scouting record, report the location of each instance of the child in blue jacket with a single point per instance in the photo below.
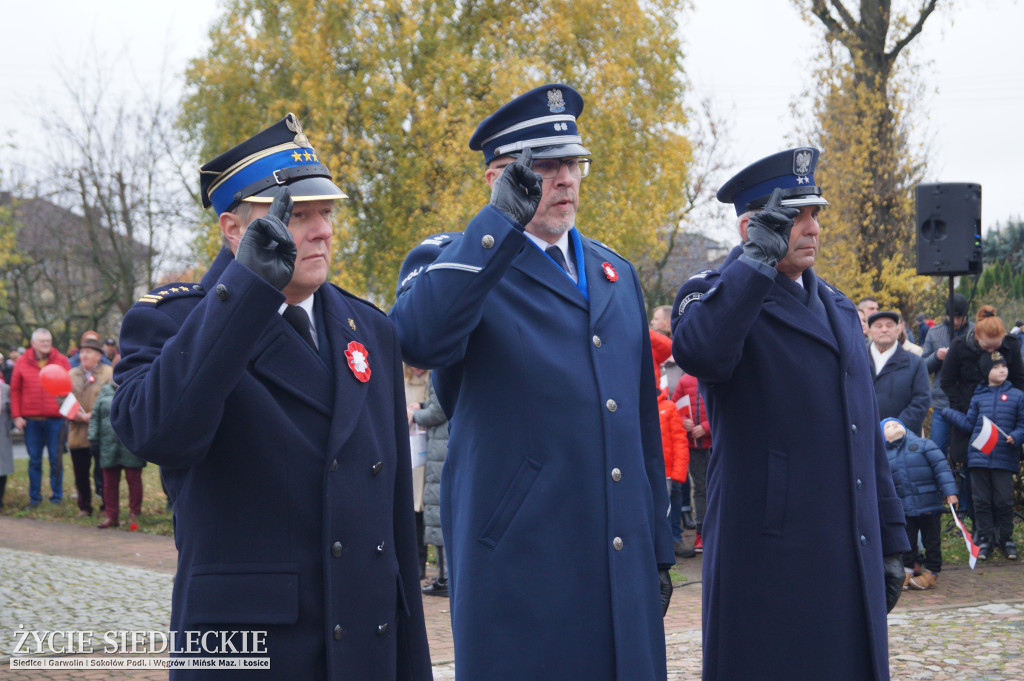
(991, 474)
(924, 483)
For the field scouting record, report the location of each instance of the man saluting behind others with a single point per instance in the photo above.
(803, 531)
(275, 403)
(553, 500)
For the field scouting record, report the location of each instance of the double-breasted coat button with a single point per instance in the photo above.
(597, 341)
(222, 291)
(382, 629)
(380, 548)
(616, 474)
(863, 540)
(611, 405)
(338, 632)
(860, 484)
(487, 241)
(336, 549)
(854, 428)
(617, 543)
(334, 465)
(377, 467)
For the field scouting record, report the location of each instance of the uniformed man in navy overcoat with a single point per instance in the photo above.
(803, 528)
(553, 501)
(275, 403)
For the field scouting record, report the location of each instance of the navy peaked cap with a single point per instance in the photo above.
(791, 170)
(543, 119)
(251, 171)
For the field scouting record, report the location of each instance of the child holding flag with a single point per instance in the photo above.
(923, 481)
(996, 416)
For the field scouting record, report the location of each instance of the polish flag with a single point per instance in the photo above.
(988, 437)
(972, 548)
(683, 404)
(70, 407)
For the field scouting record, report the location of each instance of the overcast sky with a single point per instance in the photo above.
(750, 57)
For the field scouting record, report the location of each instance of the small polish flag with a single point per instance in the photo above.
(972, 548)
(70, 407)
(683, 404)
(988, 437)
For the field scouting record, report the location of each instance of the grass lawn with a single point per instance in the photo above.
(154, 519)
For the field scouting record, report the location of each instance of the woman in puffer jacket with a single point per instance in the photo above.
(924, 483)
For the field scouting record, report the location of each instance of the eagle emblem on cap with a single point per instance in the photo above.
(556, 103)
(293, 124)
(802, 161)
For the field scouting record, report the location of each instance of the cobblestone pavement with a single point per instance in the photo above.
(63, 577)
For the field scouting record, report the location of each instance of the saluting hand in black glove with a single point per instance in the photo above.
(768, 231)
(516, 192)
(267, 247)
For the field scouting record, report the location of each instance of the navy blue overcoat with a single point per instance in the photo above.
(291, 477)
(553, 499)
(801, 507)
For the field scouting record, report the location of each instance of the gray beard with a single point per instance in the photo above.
(548, 229)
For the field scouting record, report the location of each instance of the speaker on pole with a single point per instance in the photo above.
(949, 228)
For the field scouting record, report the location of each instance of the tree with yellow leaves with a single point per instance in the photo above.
(869, 168)
(390, 91)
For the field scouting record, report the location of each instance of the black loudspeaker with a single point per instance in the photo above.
(949, 228)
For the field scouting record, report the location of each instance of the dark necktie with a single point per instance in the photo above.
(298, 318)
(556, 254)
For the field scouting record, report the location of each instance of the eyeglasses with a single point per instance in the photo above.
(548, 168)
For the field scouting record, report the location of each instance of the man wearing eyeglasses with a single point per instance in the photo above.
(553, 501)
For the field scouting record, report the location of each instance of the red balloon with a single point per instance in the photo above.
(55, 379)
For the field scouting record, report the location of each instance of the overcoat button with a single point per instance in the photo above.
(336, 549)
(382, 629)
(377, 467)
(854, 428)
(380, 548)
(334, 465)
(860, 484)
(863, 540)
(222, 291)
(616, 474)
(338, 632)
(611, 405)
(617, 543)
(487, 241)
(597, 341)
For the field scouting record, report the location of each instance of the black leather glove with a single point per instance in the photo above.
(768, 231)
(895, 575)
(516, 192)
(267, 247)
(665, 582)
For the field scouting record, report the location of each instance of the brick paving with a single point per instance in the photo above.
(971, 627)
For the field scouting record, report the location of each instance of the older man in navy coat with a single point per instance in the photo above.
(803, 528)
(554, 509)
(275, 403)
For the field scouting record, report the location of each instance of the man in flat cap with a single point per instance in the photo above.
(803, 531)
(553, 508)
(274, 402)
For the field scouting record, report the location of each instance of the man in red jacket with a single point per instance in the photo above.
(37, 413)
